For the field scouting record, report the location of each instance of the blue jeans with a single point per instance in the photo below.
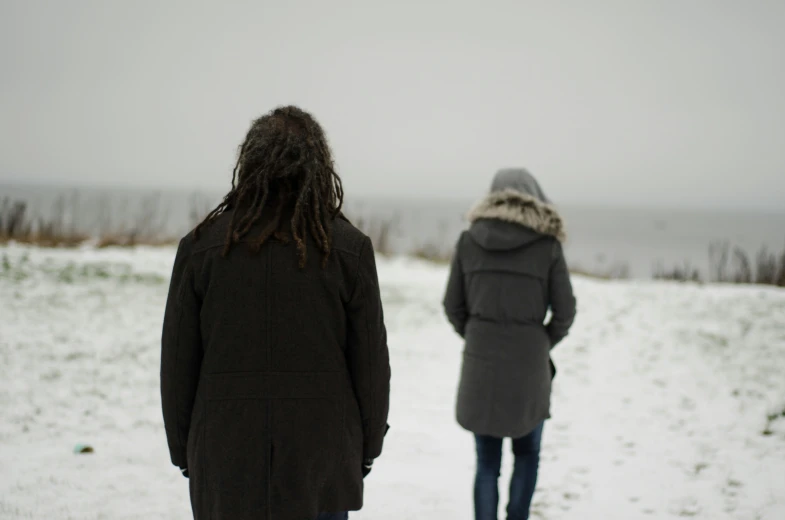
(524, 476)
(333, 516)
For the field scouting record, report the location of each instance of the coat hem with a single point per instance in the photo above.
(502, 434)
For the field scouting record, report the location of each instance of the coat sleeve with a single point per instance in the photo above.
(455, 296)
(561, 298)
(367, 355)
(181, 356)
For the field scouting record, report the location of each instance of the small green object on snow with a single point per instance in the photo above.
(83, 448)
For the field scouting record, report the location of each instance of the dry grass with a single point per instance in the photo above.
(199, 207)
(618, 271)
(62, 229)
(732, 265)
(432, 252)
(17, 224)
(683, 273)
(380, 231)
(146, 227)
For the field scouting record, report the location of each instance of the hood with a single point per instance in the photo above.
(520, 180)
(509, 218)
(497, 235)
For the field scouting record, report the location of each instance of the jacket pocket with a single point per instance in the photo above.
(306, 444)
(236, 458)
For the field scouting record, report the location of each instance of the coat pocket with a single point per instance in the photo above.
(307, 447)
(236, 456)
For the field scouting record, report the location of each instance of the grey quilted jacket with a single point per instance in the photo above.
(507, 272)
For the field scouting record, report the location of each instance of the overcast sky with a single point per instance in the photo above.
(666, 102)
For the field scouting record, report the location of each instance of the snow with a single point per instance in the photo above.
(669, 402)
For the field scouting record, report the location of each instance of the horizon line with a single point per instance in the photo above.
(718, 206)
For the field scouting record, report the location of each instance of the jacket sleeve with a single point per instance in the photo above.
(561, 298)
(367, 355)
(181, 356)
(455, 296)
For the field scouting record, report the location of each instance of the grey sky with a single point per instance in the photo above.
(618, 101)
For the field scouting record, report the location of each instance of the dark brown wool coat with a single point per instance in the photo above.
(274, 380)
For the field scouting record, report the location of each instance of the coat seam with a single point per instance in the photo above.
(357, 275)
(178, 347)
(348, 252)
(268, 400)
(371, 359)
(272, 373)
(206, 468)
(360, 286)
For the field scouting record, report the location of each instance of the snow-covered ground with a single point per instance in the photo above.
(670, 399)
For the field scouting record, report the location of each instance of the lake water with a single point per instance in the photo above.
(600, 238)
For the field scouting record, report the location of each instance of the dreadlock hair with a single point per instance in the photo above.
(284, 167)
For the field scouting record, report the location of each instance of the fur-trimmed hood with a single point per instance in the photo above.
(521, 210)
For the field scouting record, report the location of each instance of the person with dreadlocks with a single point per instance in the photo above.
(275, 374)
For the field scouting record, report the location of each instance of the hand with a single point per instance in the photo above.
(367, 466)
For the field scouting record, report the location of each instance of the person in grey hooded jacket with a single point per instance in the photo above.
(507, 272)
